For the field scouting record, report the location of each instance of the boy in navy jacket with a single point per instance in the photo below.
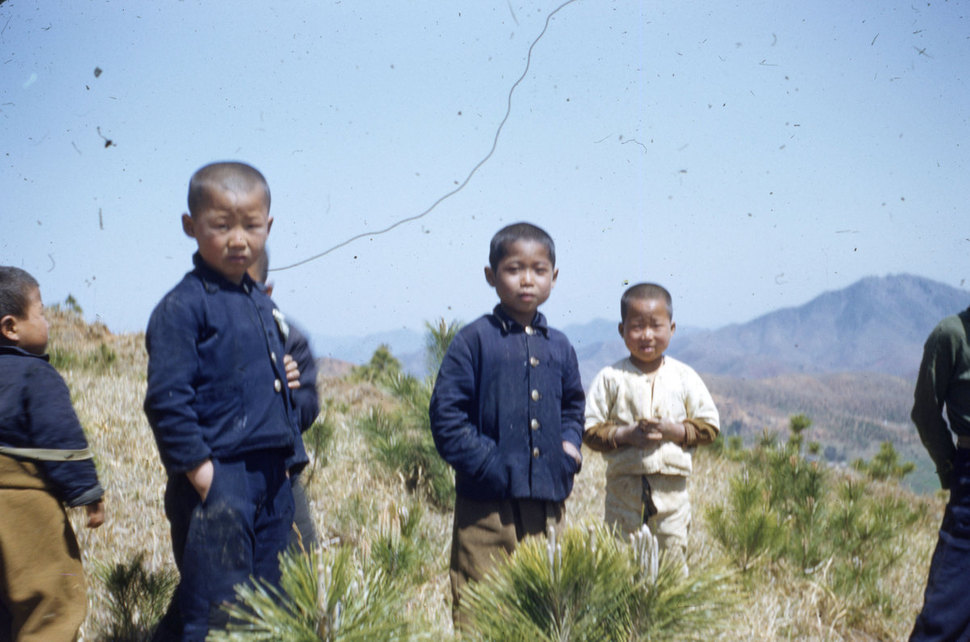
(218, 402)
(507, 412)
(44, 463)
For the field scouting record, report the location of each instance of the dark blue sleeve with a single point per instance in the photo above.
(573, 402)
(306, 400)
(454, 413)
(173, 364)
(54, 424)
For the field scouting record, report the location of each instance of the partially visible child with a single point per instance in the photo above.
(301, 374)
(507, 412)
(646, 413)
(44, 463)
(218, 404)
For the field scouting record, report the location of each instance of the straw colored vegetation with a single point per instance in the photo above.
(383, 516)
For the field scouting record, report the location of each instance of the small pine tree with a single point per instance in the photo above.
(401, 437)
(747, 527)
(439, 337)
(317, 440)
(323, 596)
(382, 366)
(885, 464)
(137, 598)
(587, 585)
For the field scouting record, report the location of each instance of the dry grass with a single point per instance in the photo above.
(352, 497)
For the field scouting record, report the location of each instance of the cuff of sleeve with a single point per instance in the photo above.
(601, 437)
(89, 496)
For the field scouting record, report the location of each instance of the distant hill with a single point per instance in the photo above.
(877, 324)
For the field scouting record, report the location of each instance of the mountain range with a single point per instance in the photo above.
(877, 324)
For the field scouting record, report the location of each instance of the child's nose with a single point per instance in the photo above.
(237, 237)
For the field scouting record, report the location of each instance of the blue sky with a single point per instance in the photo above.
(748, 155)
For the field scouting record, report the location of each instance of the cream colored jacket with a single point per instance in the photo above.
(622, 394)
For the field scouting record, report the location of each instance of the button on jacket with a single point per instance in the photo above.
(216, 380)
(506, 398)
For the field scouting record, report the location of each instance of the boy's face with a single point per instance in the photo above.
(30, 331)
(231, 230)
(523, 279)
(647, 331)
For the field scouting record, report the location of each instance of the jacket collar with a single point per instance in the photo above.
(508, 324)
(20, 352)
(214, 281)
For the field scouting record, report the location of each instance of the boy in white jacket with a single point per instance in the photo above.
(645, 413)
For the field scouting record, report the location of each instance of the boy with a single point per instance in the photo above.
(646, 413)
(944, 380)
(507, 412)
(218, 403)
(301, 374)
(44, 463)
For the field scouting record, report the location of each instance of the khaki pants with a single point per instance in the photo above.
(670, 524)
(487, 531)
(42, 587)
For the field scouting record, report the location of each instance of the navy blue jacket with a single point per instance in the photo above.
(36, 412)
(505, 399)
(216, 381)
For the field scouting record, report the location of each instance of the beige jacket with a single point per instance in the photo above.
(622, 394)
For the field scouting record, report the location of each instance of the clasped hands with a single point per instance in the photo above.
(647, 432)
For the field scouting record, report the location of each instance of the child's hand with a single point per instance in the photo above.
(95, 513)
(201, 478)
(663, 430)
(632, 435)
(292, 371)
(573, 452)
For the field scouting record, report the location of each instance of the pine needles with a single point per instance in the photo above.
(590, 586)
(323, 596)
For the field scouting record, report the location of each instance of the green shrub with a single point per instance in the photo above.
(100, 361)
(399, 549)
(382, 365)
(590, 586)
(747, 527)
(137, 597)
(323, 595)
(401, 440)
(885, 464)
(317, 439)
(401, 437)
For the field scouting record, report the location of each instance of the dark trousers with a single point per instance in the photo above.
(946, 602)
(239, 531)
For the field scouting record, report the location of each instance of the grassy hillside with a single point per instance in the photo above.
(366, 505)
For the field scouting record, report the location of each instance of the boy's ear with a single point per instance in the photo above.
(8, 328)
(619, 328)
(269, 224)
(555, 275)
(490, 276)
(188, 226)
(673, 327)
